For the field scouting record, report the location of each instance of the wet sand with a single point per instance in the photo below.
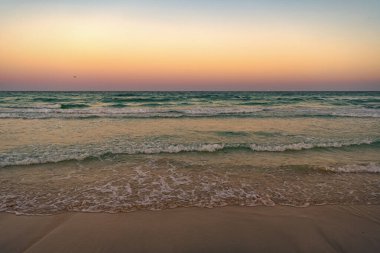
(228, 229)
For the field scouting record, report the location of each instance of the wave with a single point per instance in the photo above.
(59, 154)
(355, 168)
(304, 145)
(50, 99)
(28, 108)
(69, 106)
(118, 105)
(131, 187)
(152, 110)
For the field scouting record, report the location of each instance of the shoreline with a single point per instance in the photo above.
(327, 228)
(185, 208)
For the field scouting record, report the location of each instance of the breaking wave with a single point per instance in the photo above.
(356, 168)
(82, 111)
(50, 154)
(304, 145)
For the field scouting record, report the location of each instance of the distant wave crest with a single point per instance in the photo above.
(82, 111)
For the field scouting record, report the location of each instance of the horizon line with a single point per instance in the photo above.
(189, 90)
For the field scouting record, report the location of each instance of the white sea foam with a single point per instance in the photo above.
(356, 168)
(46, 154)
(41, 113)
(361, 113)
(304, 145)
(129, 188)
(174, 112)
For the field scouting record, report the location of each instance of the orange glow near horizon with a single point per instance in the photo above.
(120, 49)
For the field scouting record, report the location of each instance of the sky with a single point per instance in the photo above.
(189, 45)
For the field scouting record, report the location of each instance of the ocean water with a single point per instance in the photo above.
(127, 151)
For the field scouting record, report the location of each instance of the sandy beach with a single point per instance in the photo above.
(228, 229)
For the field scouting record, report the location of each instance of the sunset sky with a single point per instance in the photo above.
(190, 45)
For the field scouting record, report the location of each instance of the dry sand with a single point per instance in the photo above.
(228, 229)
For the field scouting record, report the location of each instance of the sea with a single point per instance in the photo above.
(128, 151)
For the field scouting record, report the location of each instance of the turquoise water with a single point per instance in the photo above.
(125, 151)
(188, 104)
